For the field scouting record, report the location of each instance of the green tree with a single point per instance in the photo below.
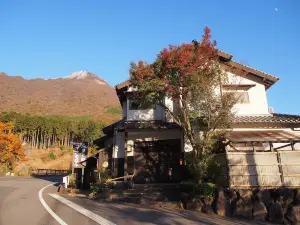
(46, 131)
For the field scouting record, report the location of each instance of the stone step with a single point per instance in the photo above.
(155, 197)
(126, 194)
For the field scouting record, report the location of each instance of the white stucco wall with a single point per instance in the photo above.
(257, 97)
(119, 145)
(124, 109)
(141, 114)
(156, 113)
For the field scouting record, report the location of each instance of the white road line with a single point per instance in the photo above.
(58, 219)
(98, 219)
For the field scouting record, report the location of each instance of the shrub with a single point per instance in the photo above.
(100, 187)
(4, 167)
(62, 148)
(23, 170)
(203, 189)
(72, 183)
(104, 174)
(51, 156)
(188, 187)
(204, 170)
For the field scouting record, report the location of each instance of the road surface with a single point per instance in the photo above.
(27, 201)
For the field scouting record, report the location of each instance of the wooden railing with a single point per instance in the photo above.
(49, 172)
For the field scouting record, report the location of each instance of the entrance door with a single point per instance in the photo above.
(157, 161)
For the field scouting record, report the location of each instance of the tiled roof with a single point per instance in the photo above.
(226, 59)
(264, 74)
(264, 136)
(272, 118)
(123, 84)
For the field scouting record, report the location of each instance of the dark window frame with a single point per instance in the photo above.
(134, 105)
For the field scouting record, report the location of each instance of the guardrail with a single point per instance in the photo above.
(49, 172)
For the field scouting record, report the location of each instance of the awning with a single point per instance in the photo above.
(101, 141)
(153, 124)
(278, 136)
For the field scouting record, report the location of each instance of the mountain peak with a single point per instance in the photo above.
(85, 75)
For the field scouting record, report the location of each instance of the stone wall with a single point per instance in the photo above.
(281, 206)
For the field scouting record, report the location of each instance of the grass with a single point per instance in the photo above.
(114, 110)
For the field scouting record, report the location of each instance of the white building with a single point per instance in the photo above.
(146, 143)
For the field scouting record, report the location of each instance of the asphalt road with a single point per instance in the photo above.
(20, 205)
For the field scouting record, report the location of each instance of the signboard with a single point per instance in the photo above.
(80, 151)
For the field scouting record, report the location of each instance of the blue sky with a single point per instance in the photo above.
(53, 38)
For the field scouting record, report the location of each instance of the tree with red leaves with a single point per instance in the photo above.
(189, 74)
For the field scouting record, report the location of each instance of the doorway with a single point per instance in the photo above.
(157, 161)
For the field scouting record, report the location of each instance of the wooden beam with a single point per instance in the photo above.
(271, 147)
(125, 153)
(256, 174)
(253, 146)
(283, 146)
(293, 146)
(280, 168)
(232, 146)
(254, 164)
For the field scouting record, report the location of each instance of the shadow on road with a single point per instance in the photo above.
(57, 179)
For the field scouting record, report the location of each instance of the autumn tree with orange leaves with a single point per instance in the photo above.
(191, 75)
(10, 146)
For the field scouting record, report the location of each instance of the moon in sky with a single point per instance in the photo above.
(276, 9)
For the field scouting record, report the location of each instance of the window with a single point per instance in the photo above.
(135, 105)
(241, 97)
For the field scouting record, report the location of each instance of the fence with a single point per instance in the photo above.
(244, 170)
(49, 172)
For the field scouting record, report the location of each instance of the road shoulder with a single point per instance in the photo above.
(122, 213)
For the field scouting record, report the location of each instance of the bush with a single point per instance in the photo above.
(65, 148)
(4, 168)
(205, 170)
(62, 148)
(104, 174)
(23, 170)
(100, 187)
(205, 189)
(72, 183)
(193, 189)
(188, 187)
(51, 156)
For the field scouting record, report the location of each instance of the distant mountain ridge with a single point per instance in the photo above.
(80, 94)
